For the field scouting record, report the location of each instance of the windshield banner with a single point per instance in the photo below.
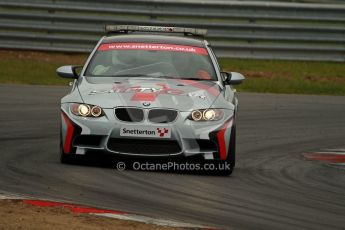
(154, 47)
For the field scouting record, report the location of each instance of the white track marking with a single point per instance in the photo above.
(341, 151)
(328, 152)
(5, 195)
(10, 197)
(149, 220)
(338, 164)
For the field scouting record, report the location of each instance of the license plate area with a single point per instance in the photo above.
(145, 132)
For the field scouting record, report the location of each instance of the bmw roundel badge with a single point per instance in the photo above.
(146, 103)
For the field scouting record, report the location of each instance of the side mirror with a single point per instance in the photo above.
(233, 78)
(68, 71)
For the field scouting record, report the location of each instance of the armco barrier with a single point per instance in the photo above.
(262, 30)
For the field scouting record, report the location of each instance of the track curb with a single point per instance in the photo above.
(78, 208)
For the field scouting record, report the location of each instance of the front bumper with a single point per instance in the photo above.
(82, 134)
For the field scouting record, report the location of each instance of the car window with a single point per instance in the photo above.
(151, 60)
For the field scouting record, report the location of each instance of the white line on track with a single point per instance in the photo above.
(328, 152)
(339, 151)
(4, 196)
(149, 220)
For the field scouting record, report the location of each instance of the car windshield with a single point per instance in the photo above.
(151, 60)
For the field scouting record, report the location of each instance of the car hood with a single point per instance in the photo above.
(184, 95)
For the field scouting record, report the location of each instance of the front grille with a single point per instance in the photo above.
(144, 147)
(162, 115)
(129, 114)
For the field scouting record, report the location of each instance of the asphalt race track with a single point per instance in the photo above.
(272, 187)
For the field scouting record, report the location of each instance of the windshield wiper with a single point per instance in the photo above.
(158, 76)
(167, 77)
(120, 75)
(181, 78)
(130, 75)
(194, 79)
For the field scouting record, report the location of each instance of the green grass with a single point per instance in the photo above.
(289, 76)
(38, 68)
(29, 72)
(35, 68)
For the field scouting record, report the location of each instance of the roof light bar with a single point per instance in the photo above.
(159, 29)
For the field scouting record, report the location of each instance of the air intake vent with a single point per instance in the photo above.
(162, 115)
(144, 147)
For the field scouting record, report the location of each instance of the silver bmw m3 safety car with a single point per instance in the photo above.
(155, 92)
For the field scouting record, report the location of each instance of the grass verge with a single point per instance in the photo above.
(266, 76)
(300, 77)
(35, 68)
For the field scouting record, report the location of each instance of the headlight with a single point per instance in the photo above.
(96, 111)
(206, 115)
(86, 110)
(196, 115)
(209, 114)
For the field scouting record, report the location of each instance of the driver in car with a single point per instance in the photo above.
(188, 66)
